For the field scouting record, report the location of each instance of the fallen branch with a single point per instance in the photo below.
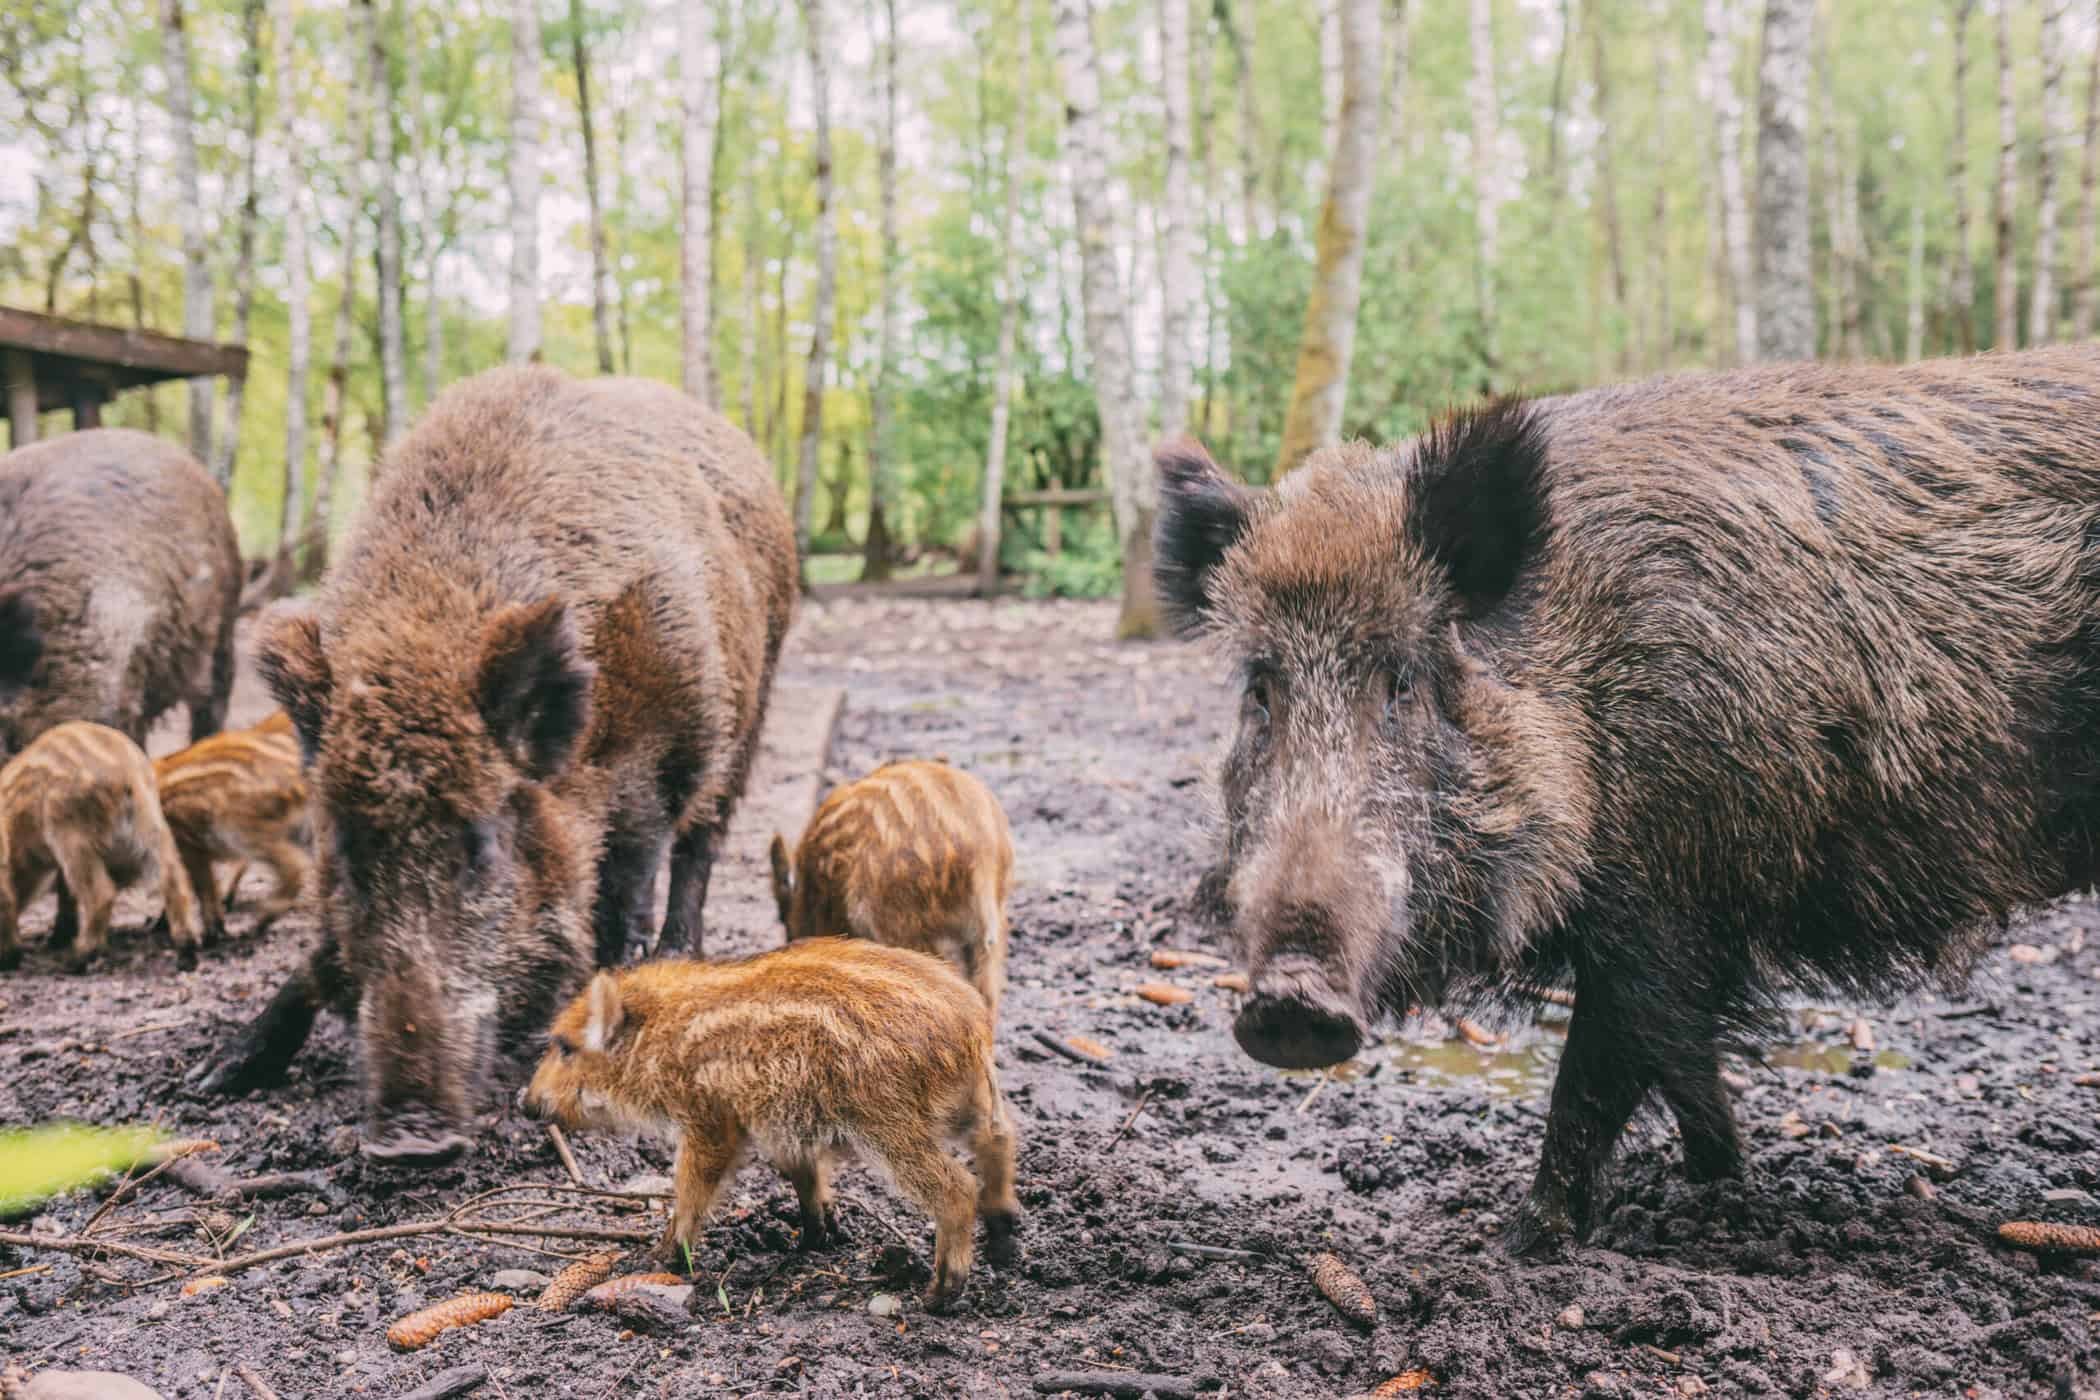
(209, 1181)
(1131, 1121)
(254, 1382)
(1212, 1251)
(561, 1150)
(69, 1244)
(1124, 1385)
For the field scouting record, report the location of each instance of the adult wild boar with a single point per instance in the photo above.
(542, 656)
(1692, 690)
(119, 580)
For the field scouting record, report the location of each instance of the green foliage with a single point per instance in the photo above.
(1089, 566)
(36, 1163)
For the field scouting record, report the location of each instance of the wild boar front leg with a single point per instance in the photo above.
(188, 925)
(82, 874)
(626, 893)
(937, 1183)
(195, 862)
(820, 1213)
(992, 1147)
(261, 1052)
(692, 864)
(288, 865)
(1713, 1150)
(208, 710)
(1601, 1081)
(706, 1159)
(11, 900)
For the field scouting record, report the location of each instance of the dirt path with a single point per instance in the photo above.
(1823, 1274)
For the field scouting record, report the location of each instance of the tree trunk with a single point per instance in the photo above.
(601, 303)
(1134, 493)
(1178, 256)
(139, 247)
(524, 182)
(1237, 33)
(2006, 324)
(393, 346)
(1203, 68)
(1914, 325)
(2041, 311)
(1964, 294)
(2082, 301)
(1486, 218)
(747, 346)
(1607, 177)
(1329, 338)
(198, 321)
(226, 449)
(1555, 106)
(298, 296)
(1728, 158)
(1399, 51)
(1786, 295)
(334, 400)
(1330, 75)
(1836, 244)
(816, 34)
(696, 229)
(882, 466)
(990, 519)
(1659, 219)
(432, 233)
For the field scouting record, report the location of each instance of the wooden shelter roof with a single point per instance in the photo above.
(69, 356)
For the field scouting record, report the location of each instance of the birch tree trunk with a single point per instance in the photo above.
(1399, 55)
(393, 350)
(1203, 70)
(2006, 324)
(594, 197)
(198, 321)
(2082, 301)
(524, 182)
(814, 31)
(882, 467)
(1486, 218)
(334, 400)
(1133, 491)
(226, 449)
(431, 233)
(1329, 338)
(1964, 293)
(1607, 176)
(990, 521)
(1786, 305)
(1727, 106)
(1330, 74)
(298, 296)
(747, 346)
(696, 227)
(1178, 255)
(1914, 325)
(1238, 34)
(2041, 311)
(1840, 311)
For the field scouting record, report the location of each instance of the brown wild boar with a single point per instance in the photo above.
(238, 796)
(541, 657)
(78, 803)
(810, 1053)
(1693, 691)
(119, 581)
(916, 855)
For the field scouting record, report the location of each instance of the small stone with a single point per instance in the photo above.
(1259, 1333)
(648, 1183)
(1921, 1188)
(343, 1141)
(1847, 1370)
(1571, 1317)
(86, 1385)
(1967, 1084)
(317, 1207)
(518, 1280)
(1862, 1034)
(885, 1305)
(1830, 1130)
(2069, 1194)
(159, 1310)
(2029, 955)
(346, 1357)
(654, 1307)
(1790, 1125)
(1690, 1385)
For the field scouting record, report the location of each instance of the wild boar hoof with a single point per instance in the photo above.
(78, 962)
(10, 959)
(822, 1231)
(1002, 1240)
(399, 1146)
(944, 1294)
(1540, 1233)
(186, 957)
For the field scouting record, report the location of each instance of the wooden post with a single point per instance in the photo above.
(21, 397)
(87, 406)
(1053, 529)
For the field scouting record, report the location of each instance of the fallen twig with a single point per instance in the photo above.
(1131, 1121)
(446, 1384)
(70, 1244)
(167, 1156)
(1314, 1093)
(561, 1150)
(2048, 1237)
(209, 1181)
(1212, 1251)
(1929, 1159)
(1674, 1358)
(22, 1273)
(254, 1382)
(148, 1030)
(1058, 1047)
(1124, 1385)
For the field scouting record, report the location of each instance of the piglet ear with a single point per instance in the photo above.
(534, 685)
(1477, 500)
(1202, 514)
(783, 872)
(296, 670)
(21, 644)
(604, 1017)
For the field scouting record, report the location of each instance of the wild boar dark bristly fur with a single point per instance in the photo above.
(1693, 690)
(119, 581)
(540, 661)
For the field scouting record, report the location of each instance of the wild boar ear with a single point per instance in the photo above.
(783, 871)
(534, 685)
(296, 670)
(21, 644)
(1202, 513)
(603, 1017)
(1476, 504)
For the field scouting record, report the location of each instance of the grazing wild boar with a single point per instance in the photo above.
(238, 797)
(78, 803)
(119, 581)
(540, 658)
(1693, 691)
(810, 1053)
(916, 855)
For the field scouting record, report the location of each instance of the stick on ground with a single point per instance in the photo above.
(254, 1382)
(561, 1150)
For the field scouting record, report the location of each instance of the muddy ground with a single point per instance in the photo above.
(1823, 1274)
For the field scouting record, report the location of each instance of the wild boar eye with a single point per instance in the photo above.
(1399, 688)
(1255, 704)
(562, 1044)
